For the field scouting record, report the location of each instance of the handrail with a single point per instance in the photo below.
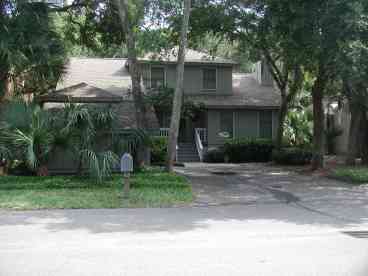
(164, 132)
(202, 134)
(199, 145)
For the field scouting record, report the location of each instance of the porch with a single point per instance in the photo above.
(190, 150)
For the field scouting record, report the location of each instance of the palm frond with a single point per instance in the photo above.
(100, 165)
(109, 160)
(128, 140)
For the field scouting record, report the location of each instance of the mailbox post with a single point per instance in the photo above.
(126, 167)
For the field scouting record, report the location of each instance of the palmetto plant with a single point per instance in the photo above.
(87, 131)
(4, 150)
(85, 126)
(26, 130)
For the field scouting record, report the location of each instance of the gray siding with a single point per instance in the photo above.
(193, 78)
(246, 125)
(275, 123)
(213, 128)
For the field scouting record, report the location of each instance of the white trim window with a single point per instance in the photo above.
(158, 76)
(265, 124)
(209, 78)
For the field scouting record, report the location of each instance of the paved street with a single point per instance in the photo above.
(267, 222)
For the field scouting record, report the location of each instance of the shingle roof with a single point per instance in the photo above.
(107, 74)
(107, 78)
(191, 56)
(81, 92)
(247, 93)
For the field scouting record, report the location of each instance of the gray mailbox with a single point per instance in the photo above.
(126, 163)
(126, 167)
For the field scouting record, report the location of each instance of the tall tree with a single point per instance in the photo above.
(178, 96)
(125, 12)
(261, 28)
(353, 64)
(326, 25)
(32, 55)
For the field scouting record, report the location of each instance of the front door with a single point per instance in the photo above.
(186, 131)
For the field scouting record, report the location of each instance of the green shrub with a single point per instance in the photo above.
(248, 150)
(357, 175)
(292, 156)
(214, 155)
(158, 150)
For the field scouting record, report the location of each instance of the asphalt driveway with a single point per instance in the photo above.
(252, 183)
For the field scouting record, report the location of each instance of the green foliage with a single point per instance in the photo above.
(5, 152)
(217, 45)
(34, 134)
(162, 99)
(96, 31)
(298, 126)
(27, 132)
(292, 156)
(248, 150)
(32, 53)
(158, 150)
(215, 155)
(357, 175)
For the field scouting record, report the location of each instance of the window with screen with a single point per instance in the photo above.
(157, 77)
(227, 123)
(265, 124)
(209, 78)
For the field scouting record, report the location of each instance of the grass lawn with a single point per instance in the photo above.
(358, 175)
(148, 189)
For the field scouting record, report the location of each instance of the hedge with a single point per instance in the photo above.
(248, 150)
(214, 155)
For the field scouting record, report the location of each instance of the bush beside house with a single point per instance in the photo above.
(158, 150)
(248, 150)
(214, 155)
(241, 151)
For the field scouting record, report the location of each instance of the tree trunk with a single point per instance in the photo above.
(365, 140)
(136, 75)
(318, 121)
(178, 96)
(134, 69)
(281, 120)
(5, 92)
(355, 123)
(286, 98)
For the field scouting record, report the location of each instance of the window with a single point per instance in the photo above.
(157, 77)
(265, 124)
(209, 78)
(226, 123)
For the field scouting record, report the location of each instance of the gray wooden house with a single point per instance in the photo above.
(236, 105)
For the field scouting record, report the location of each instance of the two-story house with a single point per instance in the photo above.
(236, 105)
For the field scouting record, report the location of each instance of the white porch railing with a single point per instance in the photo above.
(202, 132)
(199, 135)
(164, 132)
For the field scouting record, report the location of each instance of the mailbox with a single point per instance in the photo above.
(126, 164)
